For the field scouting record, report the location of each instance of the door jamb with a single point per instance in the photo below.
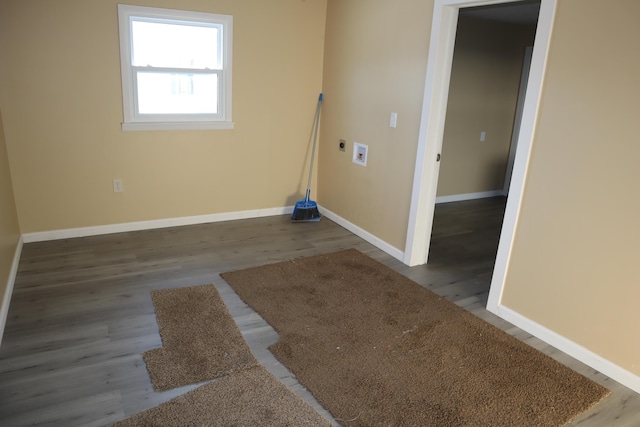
(524, 79)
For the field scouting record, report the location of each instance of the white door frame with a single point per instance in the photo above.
(436, 91)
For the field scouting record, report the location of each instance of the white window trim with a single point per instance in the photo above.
(134, 123)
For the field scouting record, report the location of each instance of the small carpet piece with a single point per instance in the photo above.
(200, 339)
(376, 348)
(249, 397)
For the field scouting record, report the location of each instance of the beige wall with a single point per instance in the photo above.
(9, 230)
(574, 267)
(62, 108)
(375, 62)
(483, 93)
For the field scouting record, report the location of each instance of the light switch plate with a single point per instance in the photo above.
(393, 120)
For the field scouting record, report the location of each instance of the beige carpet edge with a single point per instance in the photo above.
(250, 396)
(202, 354)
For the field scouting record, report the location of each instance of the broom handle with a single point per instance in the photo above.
(313, 150)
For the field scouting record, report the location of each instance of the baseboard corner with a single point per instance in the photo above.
(6, 298)
(374, 240)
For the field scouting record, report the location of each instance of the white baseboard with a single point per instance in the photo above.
(375, 241)
(6, 299)
(43, 236)
(571, 348)
(469, 196)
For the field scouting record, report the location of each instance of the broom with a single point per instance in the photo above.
(306, 210)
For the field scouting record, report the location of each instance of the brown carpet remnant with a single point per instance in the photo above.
(200, 338)
(249, 397)
(375, 348)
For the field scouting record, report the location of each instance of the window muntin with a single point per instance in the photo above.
(176, 69)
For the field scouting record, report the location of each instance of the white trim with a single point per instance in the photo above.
(571, 348)
(525, 142)
(375, 241)
(43, 236)
(469, 196)
(6, 299)
(434, 103)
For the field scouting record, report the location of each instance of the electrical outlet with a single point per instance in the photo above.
(117, 185)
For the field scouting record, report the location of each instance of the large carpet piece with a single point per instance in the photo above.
(375, 348)
(200, 339)
(249, 397)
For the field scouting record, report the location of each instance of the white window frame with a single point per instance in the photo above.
(136, 122)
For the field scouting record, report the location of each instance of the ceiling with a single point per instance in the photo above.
(525, 12)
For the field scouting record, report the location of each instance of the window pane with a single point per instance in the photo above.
(177, 93)
(175, 46)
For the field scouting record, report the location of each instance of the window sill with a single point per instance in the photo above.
(176, 126)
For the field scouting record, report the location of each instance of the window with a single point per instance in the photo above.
(176, 69)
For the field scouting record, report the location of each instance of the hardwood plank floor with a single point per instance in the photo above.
(81, 312)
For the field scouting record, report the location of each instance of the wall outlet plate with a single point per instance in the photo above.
(117, 185)
(360, 153)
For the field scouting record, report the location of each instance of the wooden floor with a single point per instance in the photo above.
(81, 312)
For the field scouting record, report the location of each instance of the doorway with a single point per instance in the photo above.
(443, 31)
(488, 68)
